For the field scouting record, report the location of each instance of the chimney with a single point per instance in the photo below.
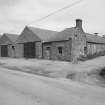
(79, 23)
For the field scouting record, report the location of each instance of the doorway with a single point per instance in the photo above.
(29, 50)
(4, 51)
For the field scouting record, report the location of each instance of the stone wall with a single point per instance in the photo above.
(66, 50)
(95, 48)
(11, 51)
(38, 49)
(54, 53)
(47, 52)
(19, 50)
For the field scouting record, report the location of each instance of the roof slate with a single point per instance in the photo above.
(95, 39)
(63, 35)
(6, 39)
(49, 36)
(68, 33)
(12, 37)
(43, 34)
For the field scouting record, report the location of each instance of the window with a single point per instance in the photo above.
(85, 50)
(13, 47)
(60, 50)
(47, 48)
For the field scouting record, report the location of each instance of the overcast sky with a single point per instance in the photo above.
(15, 14)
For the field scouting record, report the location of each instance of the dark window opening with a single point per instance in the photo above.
(13, 47)
(60, 49)
(85, 50)
(48, 48)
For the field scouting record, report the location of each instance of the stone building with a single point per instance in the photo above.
(72, 43)
(7, 45)
(95, 43)
(29, 43)
(67, 45)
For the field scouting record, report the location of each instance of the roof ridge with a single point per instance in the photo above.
(41, 28)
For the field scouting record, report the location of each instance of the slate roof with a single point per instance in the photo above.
(63, 35)
(68, 33)
(95, 39)
(6, 39)
(32, 34)
(12, 37)
(49, 36)
(43, 34)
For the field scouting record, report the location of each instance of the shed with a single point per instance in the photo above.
(95, 43)
(7, 45)
(67, 44)
(29, 43)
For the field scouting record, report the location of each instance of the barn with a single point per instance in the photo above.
(72, 43)
(67, 44)
(29, 43)
(7, 45)
(95, 43)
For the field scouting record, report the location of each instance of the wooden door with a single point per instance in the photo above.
(4, 51)
(29, 50)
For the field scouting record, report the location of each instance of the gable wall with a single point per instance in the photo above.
(27, 36)
(4, 40)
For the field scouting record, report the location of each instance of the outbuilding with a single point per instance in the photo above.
(29, 43)
(68, 44)
(95, 43)
(73, 43)
(7, 45)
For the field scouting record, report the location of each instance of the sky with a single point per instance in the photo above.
(16, 14)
